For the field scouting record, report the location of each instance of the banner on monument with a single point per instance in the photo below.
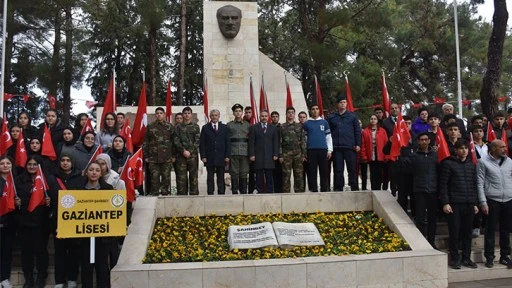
(91, 213)
(251, 236)
(276, 234)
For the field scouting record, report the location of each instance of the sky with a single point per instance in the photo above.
(79, 97)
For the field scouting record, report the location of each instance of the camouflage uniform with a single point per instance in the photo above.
(158, 152)
(239, 164)
(293, 150)
(187, 138)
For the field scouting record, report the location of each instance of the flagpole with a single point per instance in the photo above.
(4, 35)
(114, 89)
(459, 85)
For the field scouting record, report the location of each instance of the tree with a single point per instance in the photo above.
(488, 94)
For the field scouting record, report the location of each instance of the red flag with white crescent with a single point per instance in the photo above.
(109, 105)
(141, 118)
(442, 147)
(20, 158)
(8, 194)
(350, 102)
(137, 164)
(6, 141)
(87, 127)
(127, 177)
(472, 149)
(47, 148)
(263, 97)
(53, 101)
(38, 191)
(491, 136)
(127, 134)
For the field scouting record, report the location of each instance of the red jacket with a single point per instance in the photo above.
(381, 137)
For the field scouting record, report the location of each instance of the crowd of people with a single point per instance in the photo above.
(261, 158)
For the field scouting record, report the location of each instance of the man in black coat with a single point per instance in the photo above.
(263, 151)
(215, 150)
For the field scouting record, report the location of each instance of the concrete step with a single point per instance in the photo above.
(481, 273)
(442, 241)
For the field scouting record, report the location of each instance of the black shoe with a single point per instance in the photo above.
(468, 263)
(505, 260)
(489, 262)
(455, 264)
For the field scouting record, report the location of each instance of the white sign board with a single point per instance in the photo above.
(297, 234)
(251, 236)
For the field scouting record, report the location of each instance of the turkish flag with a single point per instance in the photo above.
(205, 101)
(137, 164)
(350, 102)
(141, 118)
(504, 138)
(385, 96)
(126, 132)
(26, 98)
(168, 103)
(254, 109)
(401, 137)
(87, 127)
(47, 148)
(53, 101)
(319, 100)
(289, 102)
(472, 149)
(127, 177)
(442, 147)
(20, 158)
(6, 140)
(439, 100)
(8, 96)
(263, 97)
(8, 194)
(491, 136)
(109, 102)
(38, 191)
(90, 104)
(98, 151)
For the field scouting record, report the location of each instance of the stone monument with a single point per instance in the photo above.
(232, 56)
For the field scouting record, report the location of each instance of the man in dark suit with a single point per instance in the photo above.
(390, 170)
(263, 151)
(215, 150)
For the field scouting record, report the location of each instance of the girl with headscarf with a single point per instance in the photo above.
(118, 153)
(7, 227)
(84, 150)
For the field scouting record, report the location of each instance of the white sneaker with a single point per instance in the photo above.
(59, 286)
(6, 283)
(476, 233)
(72, 284)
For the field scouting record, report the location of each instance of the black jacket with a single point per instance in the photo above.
(425, 170)
(53, 191)
(215, 146)
(38, 217)
(118, 159)
(263, 145)
(457, 181)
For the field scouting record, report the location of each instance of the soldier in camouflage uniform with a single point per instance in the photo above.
(186, 144)
(158, 153)
(239, 164)
(293, 152)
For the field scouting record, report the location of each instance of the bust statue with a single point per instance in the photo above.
(229, 18)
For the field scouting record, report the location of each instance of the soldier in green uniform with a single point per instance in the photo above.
(239, 164)
(186, 143)
(158, 153)
(293, 152)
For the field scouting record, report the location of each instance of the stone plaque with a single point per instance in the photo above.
(297, 234)
(251, 236)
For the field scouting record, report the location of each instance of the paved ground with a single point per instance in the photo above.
(496, 283)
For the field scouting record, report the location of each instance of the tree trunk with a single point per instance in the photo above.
(54, 83)
(488, 94)
(68, 66)
(183, 52)
(152, 64)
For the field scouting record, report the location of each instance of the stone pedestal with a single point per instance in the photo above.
(230, 62)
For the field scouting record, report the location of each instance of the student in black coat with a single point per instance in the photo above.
(55, 126)
(215, 150)
(7, 226)
(34, 228)
(92, 180)
(25, 123)
(118, 154)
(263, 151)
(67, 251)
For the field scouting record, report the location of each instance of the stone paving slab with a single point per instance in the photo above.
(495, 283)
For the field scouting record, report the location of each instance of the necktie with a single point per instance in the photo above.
(215, 128)
(394, 119)
(264, 128)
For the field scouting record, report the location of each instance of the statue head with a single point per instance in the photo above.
(229, 18)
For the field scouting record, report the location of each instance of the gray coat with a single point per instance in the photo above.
(494, 181)
(263, 146)
(82, 156)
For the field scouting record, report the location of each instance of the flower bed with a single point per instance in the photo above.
(198, 239)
